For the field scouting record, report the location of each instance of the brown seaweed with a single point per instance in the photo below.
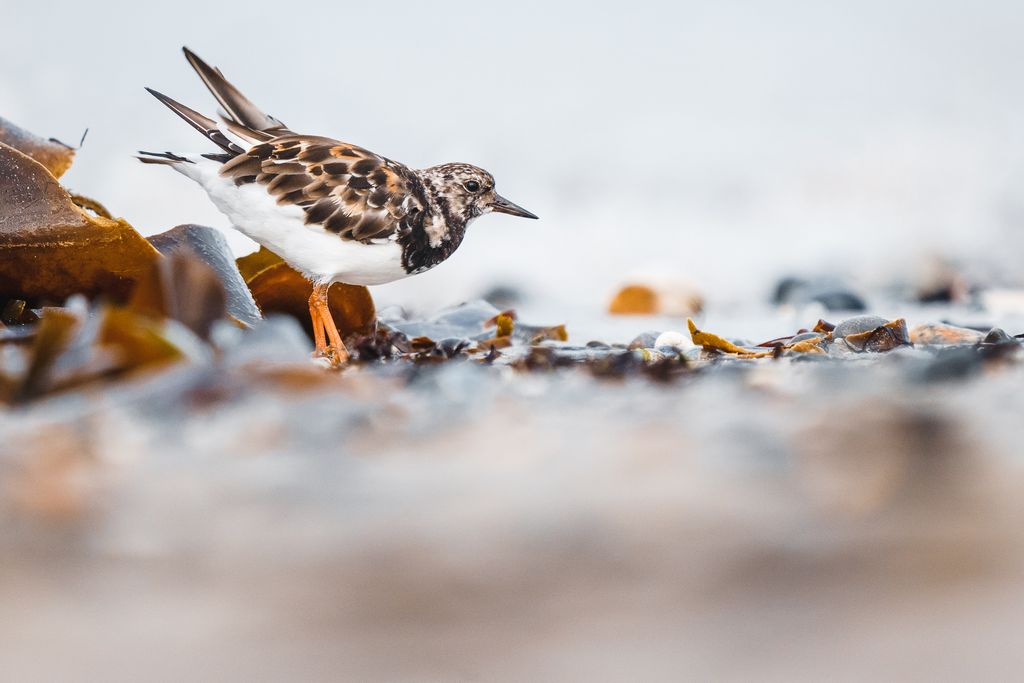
(883, 338)
(278, 288)
(51, 249)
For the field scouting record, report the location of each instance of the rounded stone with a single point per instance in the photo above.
(858, 325)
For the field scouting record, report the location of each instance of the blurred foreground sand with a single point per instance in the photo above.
(777, 523)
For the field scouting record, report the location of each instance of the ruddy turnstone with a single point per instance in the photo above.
(334, 211)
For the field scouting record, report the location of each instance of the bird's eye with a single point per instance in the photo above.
(472, 186)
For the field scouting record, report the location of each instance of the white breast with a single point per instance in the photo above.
(320, 255)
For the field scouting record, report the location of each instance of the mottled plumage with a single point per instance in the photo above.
(334, 211)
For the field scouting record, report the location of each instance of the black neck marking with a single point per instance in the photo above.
(417, 253)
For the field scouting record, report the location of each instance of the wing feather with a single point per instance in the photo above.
(344, 189)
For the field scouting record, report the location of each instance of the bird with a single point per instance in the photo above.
(334, 211)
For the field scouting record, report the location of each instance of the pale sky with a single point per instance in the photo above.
(726, 142)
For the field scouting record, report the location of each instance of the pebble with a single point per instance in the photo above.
(933, 334)
(644, 340)
(998, 337)
(828, 292)
(857, 325)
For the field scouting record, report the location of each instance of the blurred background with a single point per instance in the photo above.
(727, 142)
(246, 516)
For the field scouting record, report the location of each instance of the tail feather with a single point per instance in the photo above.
(166, 158)
(238, 107)
(243, 124)
(203, 124)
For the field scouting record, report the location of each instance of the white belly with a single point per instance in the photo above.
(320, 255)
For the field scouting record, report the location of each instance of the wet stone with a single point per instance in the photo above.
(858, 325)
(805, 336)
(644, 340)
(477, 321)
(997, 337)
(839, 301)
(935, 334)
(467, 320)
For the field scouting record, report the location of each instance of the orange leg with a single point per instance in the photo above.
(318, 301)
(318, 325)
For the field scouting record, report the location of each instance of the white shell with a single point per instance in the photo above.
(678, 340)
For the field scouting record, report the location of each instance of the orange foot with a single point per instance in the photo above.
(323, 321)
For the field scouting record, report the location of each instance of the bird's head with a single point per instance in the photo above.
(468, 192)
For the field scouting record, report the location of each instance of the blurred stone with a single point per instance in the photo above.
(939, 281)
(52, 154)
(644, 340)
(997, 337)
(657, 296)
(936, 334)
(466, 320)
(480, 322)
(278, 339)
(839, 300)
(857, 325)
(212, 248)
(503, 296)
(831, 294)
(278, 288)
(805, 336)
(51, 249)
(634, 300)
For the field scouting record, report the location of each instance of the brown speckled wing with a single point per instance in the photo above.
(343, 189)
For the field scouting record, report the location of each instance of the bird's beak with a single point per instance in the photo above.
(502, 205)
